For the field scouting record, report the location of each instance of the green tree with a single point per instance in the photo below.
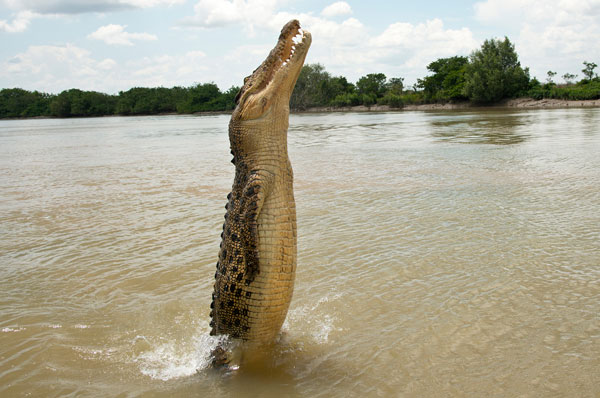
(135, 101)
(61, 105)
(569, 77)
(149, 101)
(395, 85)
(313, 87)
(372, 85)
(393, 93)
(16, 102)
(332, 87)
(494, 72)
(588, 71)
(203, 98)
(223, 101)
(347, 99)
(76, 102)
(550, 77)
(228, 97)
(341, 85)
(447, 81)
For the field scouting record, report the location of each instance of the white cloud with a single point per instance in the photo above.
(26, 10)
(555, 36)
(48, 67)
(107, 64)
(217, 12)
(508, 11)
(401, 50)
(213, 13)
(56, 68)
(80, 6)
(169, 69)
(337, 8)
(19, 23)
(153, 3)
(345, 47)
(562, 12)
(420, 44)
(116, 34)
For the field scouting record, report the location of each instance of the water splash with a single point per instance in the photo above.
(176, 359)
(312, 320)
(172, 359)
(12, 330)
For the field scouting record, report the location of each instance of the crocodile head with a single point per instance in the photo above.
(270, 86)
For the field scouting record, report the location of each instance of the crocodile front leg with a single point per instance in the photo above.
(239, 260)
(253, 198)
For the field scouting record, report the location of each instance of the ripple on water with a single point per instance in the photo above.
(440, 254)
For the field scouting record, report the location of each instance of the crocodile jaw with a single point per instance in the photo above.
(272, 83)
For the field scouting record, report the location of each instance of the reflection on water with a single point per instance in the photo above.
(486, 127)
(427, 267)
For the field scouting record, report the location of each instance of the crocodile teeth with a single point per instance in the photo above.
(298, 37)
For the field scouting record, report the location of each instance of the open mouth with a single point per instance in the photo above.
(292, 44)
(290, 50)
(299, 39)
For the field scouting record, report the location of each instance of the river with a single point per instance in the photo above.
(440, 254)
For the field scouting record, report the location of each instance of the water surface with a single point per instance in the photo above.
(440, 254)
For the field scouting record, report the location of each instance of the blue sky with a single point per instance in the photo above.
(113, 45)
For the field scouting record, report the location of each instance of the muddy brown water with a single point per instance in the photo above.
(441, 254)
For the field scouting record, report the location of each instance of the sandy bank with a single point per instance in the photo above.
(518, 103)
(549, 103)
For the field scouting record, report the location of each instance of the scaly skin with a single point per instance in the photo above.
(254, 280)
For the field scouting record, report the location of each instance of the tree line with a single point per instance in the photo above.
(489, 75)
(205, 97)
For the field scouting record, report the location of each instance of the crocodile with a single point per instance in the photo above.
(255, 273)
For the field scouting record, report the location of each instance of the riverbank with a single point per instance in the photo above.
(517, 103)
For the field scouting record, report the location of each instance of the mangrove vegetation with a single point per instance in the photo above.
(490, 74)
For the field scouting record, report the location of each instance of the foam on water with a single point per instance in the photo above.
(175, 359)
(312, 320)
(12, 330)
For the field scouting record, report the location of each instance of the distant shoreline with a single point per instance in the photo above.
(516, 103)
